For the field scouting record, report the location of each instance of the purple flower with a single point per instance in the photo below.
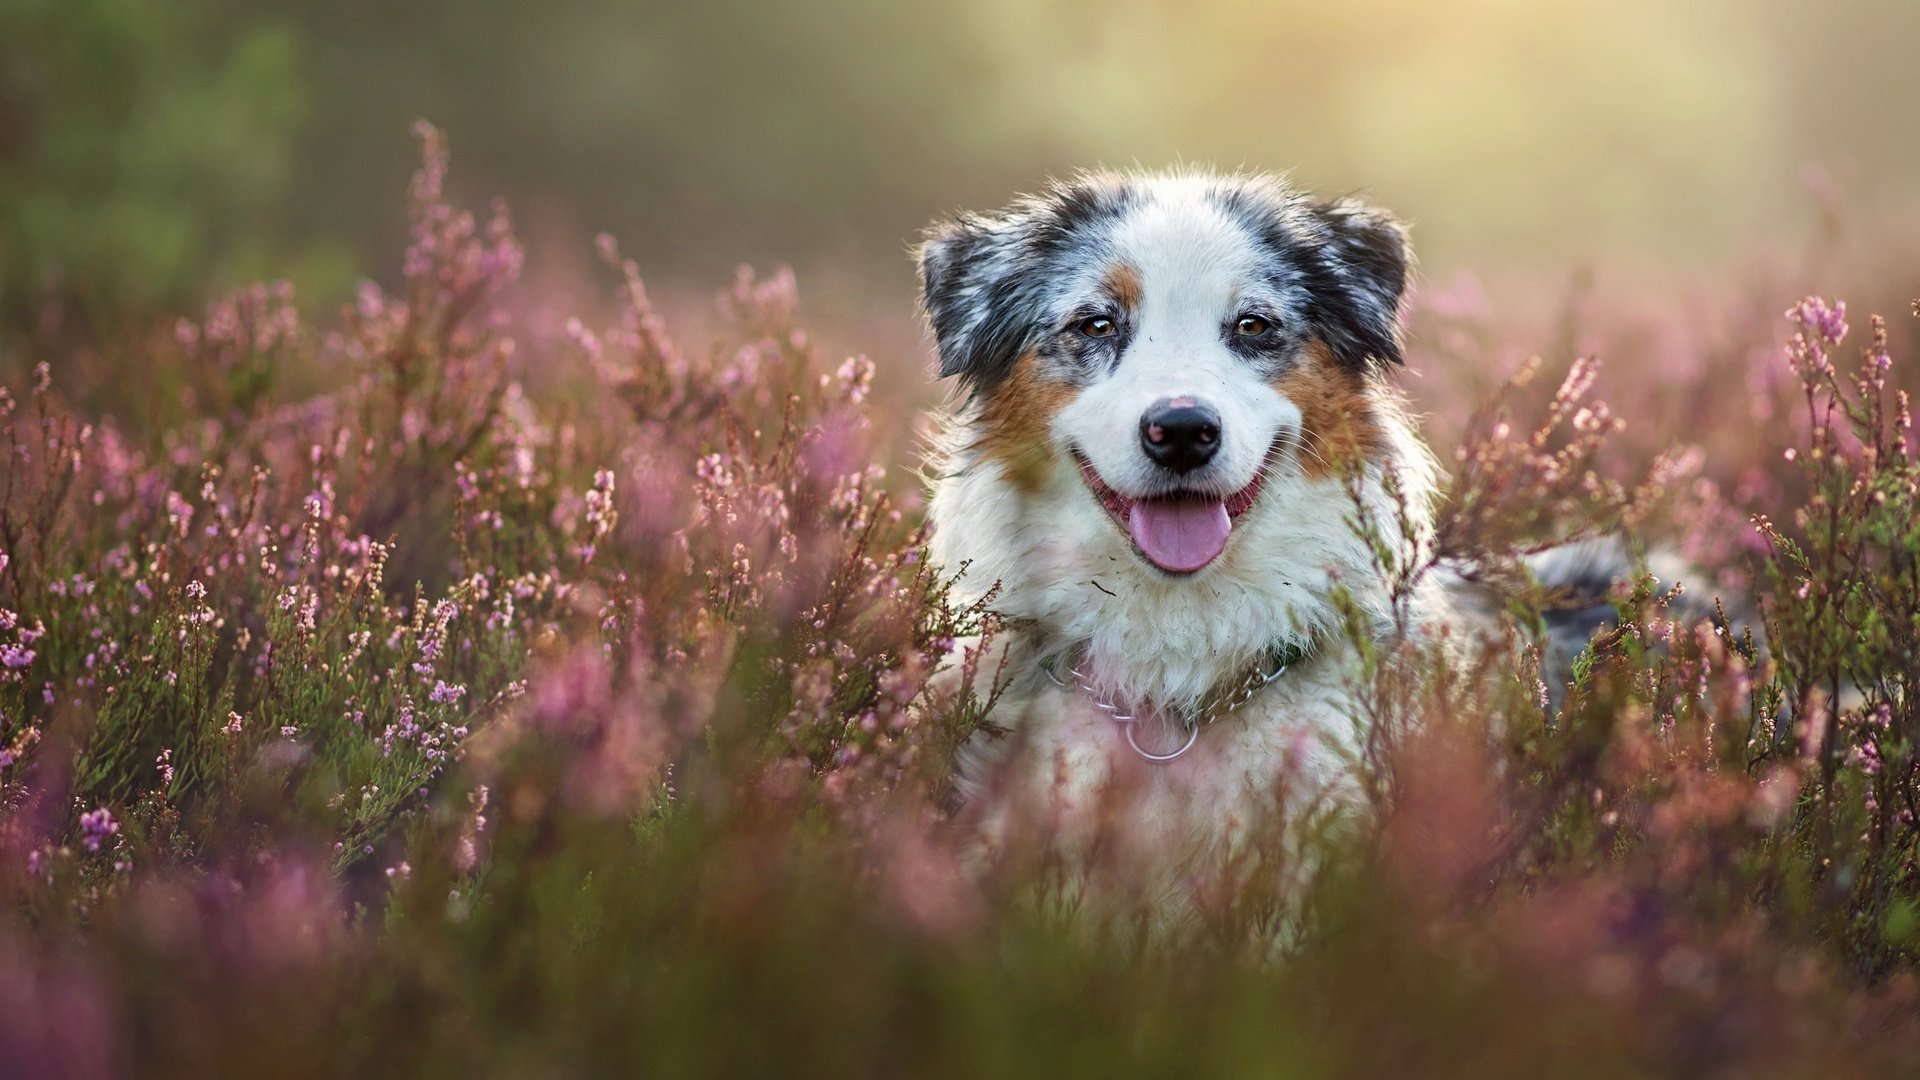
(1827, 320)
(96, 826)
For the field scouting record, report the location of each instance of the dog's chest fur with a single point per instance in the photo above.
(1065, 768)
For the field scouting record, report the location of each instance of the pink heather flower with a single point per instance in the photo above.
(467, 852)
(446, 694)
(14, 656)
(1821, 329)
(434, 639)
(96, 826)
(1829, 321)
(1866, 758)
(583, 339)
(600, 513)
(465, 481)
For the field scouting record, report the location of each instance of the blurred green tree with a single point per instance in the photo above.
(143, 150)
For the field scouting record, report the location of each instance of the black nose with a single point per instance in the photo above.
(1180, 433)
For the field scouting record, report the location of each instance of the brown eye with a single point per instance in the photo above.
(1251, 326)
(1098, 326)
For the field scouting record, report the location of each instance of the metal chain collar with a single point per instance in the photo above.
(1270, 666)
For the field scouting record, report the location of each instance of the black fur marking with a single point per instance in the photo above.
(985, 278)
(949, 278)
(1352, 260)
(1357, 275)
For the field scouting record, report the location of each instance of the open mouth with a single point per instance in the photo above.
(1179, 532)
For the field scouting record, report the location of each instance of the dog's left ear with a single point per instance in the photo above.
(1365, 263)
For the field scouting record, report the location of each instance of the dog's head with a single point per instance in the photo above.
(1172, 338)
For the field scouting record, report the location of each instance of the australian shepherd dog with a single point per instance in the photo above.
(1175, 401)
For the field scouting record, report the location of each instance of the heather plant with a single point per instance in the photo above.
(1845, 625)
(449, 720)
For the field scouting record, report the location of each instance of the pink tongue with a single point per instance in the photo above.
(1181, 535)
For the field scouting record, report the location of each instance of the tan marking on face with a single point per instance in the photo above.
(1015, 424)
(1339, 424)
(1123, 284)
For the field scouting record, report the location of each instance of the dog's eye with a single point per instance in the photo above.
(1251, 326)
(1098, 326)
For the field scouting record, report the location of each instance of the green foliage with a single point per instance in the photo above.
(146, 147)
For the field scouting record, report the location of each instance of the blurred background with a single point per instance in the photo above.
(154, 154)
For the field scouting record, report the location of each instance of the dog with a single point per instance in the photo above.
(1174, 401)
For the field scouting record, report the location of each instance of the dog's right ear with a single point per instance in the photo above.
(968, 284)
(1361, 274)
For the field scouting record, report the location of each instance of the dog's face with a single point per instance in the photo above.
(1174, 340)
